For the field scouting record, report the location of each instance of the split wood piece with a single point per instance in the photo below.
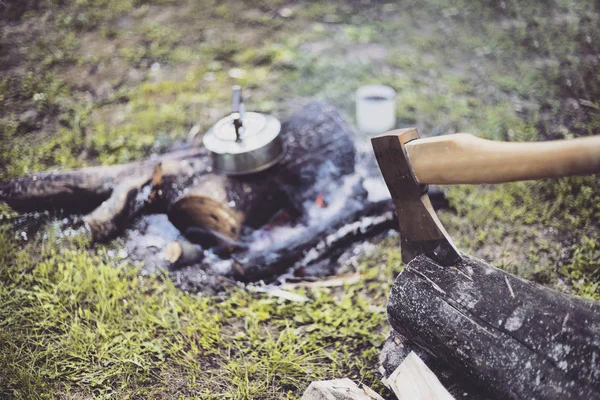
(182, 252)
(412, 380)
(314, 243)
(397, 348)
(339, 389)
(510, 338)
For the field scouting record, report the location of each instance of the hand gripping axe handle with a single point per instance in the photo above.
(409, 164)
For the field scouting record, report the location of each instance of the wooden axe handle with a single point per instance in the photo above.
(464, 158)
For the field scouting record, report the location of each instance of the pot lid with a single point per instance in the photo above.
(241, 132)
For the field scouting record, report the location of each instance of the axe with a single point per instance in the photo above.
(408, 164)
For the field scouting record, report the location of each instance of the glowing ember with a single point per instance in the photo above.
(320, 201)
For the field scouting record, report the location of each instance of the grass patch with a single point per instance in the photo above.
(584, 268)
(80, 322)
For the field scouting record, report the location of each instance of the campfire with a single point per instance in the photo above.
(293, 221)
(174, 212)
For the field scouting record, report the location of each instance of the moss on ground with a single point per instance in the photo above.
(108, 81)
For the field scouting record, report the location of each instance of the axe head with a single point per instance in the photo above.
(421, 232)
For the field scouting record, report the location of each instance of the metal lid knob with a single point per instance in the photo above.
(244, 142)
(237, 111)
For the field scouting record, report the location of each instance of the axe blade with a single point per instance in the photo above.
(421, 231)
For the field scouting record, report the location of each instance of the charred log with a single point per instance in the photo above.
(507, 337)
(220, 207)
(79, 190)
(314, 243)
(357, 220)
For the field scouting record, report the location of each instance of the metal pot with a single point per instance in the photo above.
(244, 142)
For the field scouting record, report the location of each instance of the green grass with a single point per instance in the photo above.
(76, 321)
(549, 229)
(80, 323)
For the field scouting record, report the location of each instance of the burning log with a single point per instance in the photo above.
(182, 185)
(314, 243)
(215, 210)
(126, 201)
(507, 337)
(356, 220)
(116, 193)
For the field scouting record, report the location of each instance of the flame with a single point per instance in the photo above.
(320, 201)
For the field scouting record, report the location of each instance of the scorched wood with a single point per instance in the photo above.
(79, 190)
(315, 243)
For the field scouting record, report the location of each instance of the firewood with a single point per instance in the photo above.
(126, 201)
(182, 252)
(326, 240)
(397, 348)
(413, 380)
(224, 205)
(313, 243)
(79, 190)
(113, 194)
(133, 194)
(507, 337)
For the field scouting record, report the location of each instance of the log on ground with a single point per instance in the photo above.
(79, 190)
(508, 337)
(314, 243)
(357, 220)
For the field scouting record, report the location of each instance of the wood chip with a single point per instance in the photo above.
(413, 380)
(339, 389)
(332, 281)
